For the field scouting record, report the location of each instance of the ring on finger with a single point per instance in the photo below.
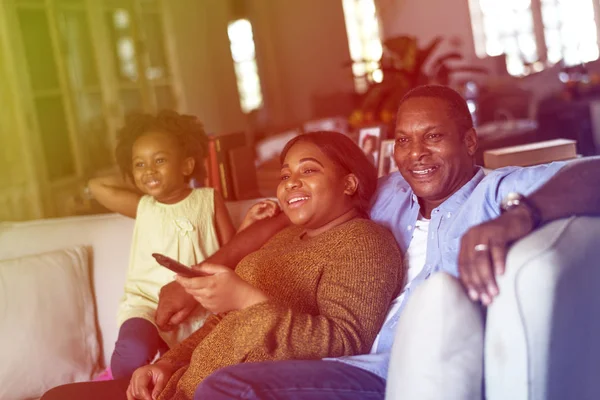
(481, 247)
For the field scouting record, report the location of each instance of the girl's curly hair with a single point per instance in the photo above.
(186, 129)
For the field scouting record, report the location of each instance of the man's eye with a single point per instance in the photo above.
(401, 140)
(434, 136)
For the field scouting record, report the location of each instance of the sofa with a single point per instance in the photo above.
(540, 339)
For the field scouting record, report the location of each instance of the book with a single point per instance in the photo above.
(531, 154)
(223, 144)
(243, 173)
(212, 172)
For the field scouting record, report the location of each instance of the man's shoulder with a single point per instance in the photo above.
(520, 179)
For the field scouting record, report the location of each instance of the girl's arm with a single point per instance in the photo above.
(116, 194)
(223, 224)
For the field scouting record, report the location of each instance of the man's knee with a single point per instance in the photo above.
(222, 384)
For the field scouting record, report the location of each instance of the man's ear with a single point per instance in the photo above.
(470, 140)
(188, 166)
(350, 184)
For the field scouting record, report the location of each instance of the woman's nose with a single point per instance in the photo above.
(292, 183)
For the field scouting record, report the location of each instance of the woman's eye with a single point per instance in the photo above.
(284, 177)
(309, 171)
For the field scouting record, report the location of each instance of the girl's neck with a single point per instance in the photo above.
(345, 217)
(176, 196)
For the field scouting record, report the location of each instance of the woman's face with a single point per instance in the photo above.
(313, 190)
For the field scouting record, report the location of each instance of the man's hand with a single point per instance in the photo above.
(221, 291)
(148, 381)
(174, 306)
(483, 251)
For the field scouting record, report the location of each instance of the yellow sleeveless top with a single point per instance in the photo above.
(184, 231)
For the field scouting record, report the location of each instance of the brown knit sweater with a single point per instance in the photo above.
(328, 296)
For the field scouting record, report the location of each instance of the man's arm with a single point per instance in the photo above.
(574, 190)
(175, 305)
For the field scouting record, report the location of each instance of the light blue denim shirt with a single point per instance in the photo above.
(396, 207)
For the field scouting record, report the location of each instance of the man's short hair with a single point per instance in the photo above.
(457, 106)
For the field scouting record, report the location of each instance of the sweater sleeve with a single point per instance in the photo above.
(181, 354)
(353, 295)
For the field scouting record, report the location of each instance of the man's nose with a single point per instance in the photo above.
(418, 149)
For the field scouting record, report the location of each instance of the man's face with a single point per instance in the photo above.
(432, 155)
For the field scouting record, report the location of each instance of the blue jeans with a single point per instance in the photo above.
(291, 380)
(136, 346)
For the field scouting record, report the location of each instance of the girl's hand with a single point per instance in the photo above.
(223, 290)
(261, 210)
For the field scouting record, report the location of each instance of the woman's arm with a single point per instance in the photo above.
(223, 224)
(116, 194)
(174, 304)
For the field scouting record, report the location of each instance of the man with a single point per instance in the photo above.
(438, 197)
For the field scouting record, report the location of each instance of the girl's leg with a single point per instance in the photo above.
(136, 346)
(114, 390)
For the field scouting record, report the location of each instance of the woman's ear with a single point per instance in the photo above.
(188, 166)
(350, 184)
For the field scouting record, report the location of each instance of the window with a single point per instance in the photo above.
(535, 33)
(364, 41)
(244, 58)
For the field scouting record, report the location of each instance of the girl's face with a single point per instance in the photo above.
(313, 191)
(159, 167)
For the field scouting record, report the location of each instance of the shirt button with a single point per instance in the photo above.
(436, 211)
(448, 215)
(408, 228)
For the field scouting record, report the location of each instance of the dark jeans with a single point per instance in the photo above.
(136, 346)
(113, 390)
(291, 380)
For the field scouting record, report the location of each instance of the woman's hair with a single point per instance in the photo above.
(185, 129)
(340, 149)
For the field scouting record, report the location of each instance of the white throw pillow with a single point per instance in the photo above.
(48, 331)
(438, 345)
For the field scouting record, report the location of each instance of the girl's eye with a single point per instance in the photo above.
(160, 160)
(138, 164)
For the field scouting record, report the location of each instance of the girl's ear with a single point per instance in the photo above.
(350, 184)
(188, 166)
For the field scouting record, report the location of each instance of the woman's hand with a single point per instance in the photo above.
(222, 290)
(149, 377)
(261, 210)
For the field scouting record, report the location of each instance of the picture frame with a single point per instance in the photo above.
(387, 165)
(369, 140)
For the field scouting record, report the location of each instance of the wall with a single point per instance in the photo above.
(426, 19)
(204, 63)
(302, 44)
(301, 48)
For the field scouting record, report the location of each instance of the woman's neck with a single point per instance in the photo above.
(345, 217)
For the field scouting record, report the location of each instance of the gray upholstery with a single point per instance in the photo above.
(543, 331)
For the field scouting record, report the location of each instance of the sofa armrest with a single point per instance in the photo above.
(542, 331)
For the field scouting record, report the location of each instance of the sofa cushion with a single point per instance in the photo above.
(48, 326)
(438, 345)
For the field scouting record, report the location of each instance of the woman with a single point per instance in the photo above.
(319, 288)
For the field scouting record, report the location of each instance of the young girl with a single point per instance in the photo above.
(158, 155)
